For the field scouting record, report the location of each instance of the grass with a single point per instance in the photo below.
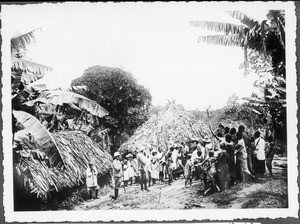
(223, 199)
(266, 199)
(79, 196)
(272, 194)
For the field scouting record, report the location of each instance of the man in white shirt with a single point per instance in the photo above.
(259, 155)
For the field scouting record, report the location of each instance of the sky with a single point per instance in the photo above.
(154, 42)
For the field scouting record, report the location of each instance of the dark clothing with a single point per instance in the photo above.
(223, 174)
(259, 166)
(231, 161)
(246, 139)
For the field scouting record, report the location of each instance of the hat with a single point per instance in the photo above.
(129, 155)
(194, 140)
(206, 139)
(116, 154)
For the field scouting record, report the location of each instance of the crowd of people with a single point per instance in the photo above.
(227, 157)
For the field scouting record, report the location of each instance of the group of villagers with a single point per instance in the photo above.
(232, 156)
(227, 157)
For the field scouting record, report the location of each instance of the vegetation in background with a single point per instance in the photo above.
(44, 162)
(264, 52)
(128, 102)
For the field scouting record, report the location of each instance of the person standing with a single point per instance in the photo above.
(91, 180)
(229, 147)
(246, 138)
(185, 149)
(142, 167)
(207, 144)
(195, 158)
(242, 172)
(193, 149)
(117, 174)
(130, 168)
(154, 167)
(270, 152)
(126, 172)
(223, 175)
(174, 160)
(259, 155)
(188, 171)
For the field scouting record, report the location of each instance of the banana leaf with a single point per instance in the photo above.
(26, 66)
(59, 97)
(41, 135)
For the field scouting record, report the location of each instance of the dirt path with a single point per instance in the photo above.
(176, 196)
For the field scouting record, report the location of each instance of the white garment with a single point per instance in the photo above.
(126, 172)
(260, 149)
(154, 170)
(186, 149)
(91, 177)
(174, 158)
(130, 169)
(194, 156)
(242, 153)
(159, 155)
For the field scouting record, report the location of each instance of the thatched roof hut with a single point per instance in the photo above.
(172, 124)
(76, 150)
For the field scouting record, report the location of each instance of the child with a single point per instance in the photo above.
(188, 170)
(126, 173)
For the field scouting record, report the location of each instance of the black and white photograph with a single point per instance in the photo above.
(137, 111)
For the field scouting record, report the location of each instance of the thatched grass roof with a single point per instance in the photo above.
(172, 124)
(76, 150)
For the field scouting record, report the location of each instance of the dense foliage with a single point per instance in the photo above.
(119, 93)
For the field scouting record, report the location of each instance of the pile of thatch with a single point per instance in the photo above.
(172, 124)
(76, 150)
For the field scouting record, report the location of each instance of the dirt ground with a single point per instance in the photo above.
(265, 193)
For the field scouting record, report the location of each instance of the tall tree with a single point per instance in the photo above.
(127, 102)
(264, 41)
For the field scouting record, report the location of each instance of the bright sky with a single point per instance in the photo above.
(154, 42)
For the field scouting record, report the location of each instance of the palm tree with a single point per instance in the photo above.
(24, 70)
(250, 34)
(267, 39)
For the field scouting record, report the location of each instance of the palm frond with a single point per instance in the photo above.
(19, 64)
(227, 28)
(243, 18)
(21, 42)
(277, 14)
(41, 134)
(224, 40)
(60, 97)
